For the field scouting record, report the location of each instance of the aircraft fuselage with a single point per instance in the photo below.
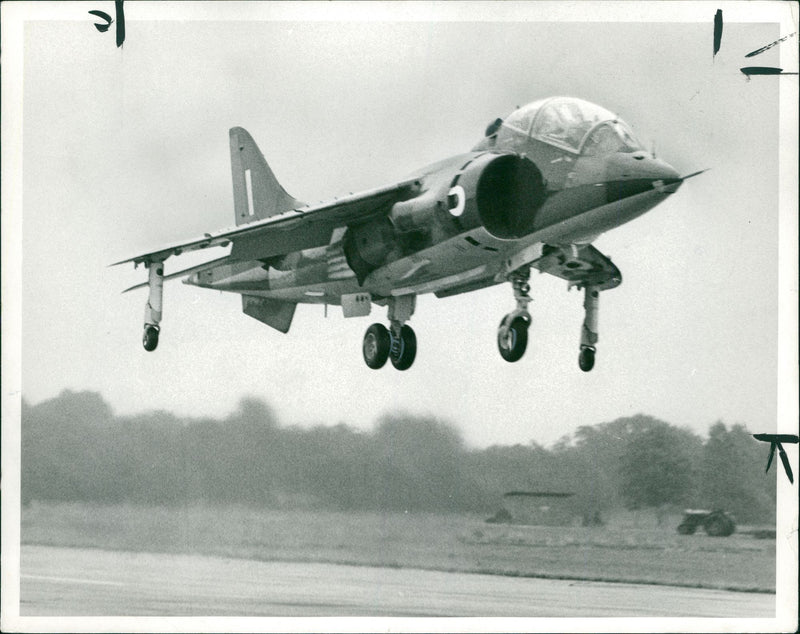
(533, 193)
(584, 196)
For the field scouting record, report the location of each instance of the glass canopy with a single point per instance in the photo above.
(575, 125)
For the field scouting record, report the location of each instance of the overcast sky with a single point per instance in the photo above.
(125, 150)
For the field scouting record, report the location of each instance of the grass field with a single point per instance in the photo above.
(432, 542)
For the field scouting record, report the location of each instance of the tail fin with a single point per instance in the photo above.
(257, 194)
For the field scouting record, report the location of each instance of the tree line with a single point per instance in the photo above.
(75, 449)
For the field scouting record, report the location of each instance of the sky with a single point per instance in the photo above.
(126, 150)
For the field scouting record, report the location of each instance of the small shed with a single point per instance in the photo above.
(541, 508)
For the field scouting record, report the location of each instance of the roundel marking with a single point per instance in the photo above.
(461, 199)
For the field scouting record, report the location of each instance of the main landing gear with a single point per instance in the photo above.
(152, 310)
(512, 334)
(397, 343)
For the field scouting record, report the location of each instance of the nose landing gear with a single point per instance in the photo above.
(512, 334)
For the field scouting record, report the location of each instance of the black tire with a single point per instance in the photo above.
(586, 359)
(403, 352)
(150, 338)
(513, 345)
(718, 525)
(375, 346)
(687, 529)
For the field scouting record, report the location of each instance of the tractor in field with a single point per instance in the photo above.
(715, 523)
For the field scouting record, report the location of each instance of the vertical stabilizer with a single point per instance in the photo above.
(257, 194)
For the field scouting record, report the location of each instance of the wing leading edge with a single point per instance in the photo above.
(303, 228)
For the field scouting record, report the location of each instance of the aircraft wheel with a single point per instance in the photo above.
(513, 340)
(150, 338)
(586, 359)
(404, 351)
(375, 348)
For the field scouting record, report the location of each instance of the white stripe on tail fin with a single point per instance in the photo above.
(257, 194)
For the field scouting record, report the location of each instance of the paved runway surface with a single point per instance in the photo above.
(75, 582)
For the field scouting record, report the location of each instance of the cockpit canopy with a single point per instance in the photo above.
(575, 125)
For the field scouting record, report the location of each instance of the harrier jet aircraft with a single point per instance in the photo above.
(533, 193)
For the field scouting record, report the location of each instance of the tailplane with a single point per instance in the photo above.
(257, 194)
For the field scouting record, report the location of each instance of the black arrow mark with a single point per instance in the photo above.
(758, 51)
(103, 16)
(120, 21)
(775, 441)
(717, 31)
(763, 70)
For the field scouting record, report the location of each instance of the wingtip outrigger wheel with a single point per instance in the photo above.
(589, 336)
(150, 337)
(586, 358)
(152, 310)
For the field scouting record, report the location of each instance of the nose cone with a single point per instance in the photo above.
(643, 170)
(666, 180)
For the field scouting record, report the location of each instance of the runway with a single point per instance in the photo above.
(81, 582)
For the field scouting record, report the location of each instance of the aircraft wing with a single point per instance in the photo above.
(582, 265)
(189, 271)
(302, 228)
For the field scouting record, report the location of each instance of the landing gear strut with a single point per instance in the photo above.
(152, 310)
(397, 343)
(512, 334)
(589, 337)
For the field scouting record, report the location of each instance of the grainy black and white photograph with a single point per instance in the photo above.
(399, 316)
